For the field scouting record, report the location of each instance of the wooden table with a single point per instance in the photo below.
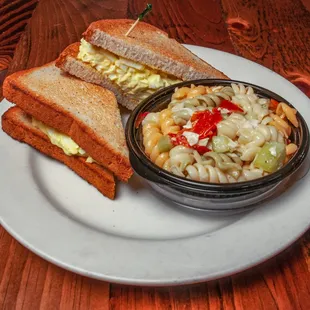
(275, 33)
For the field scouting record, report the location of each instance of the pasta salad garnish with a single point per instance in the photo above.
(219, 134)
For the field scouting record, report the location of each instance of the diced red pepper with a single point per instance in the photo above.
(201, 149)
(273, 104)
(179, 139)
(205, 123)
(231, 107)
(140, 118)
(197, 115)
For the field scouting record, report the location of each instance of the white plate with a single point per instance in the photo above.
(138, 238)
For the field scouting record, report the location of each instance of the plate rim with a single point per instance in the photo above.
(148, 283)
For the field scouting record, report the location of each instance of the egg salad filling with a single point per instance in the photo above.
(69, 147)
(133, 78)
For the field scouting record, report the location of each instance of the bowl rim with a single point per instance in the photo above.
(154, 173)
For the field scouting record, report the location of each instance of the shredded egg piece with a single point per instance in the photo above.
(61, 140)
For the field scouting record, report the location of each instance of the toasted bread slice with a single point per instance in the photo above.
(85, 112)
(150, 46)
(17, 124)
(69, 63)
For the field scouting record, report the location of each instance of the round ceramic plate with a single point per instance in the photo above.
(139, 238)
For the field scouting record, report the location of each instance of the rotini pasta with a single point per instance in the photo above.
(251, 105)
(251, 141)
(167, 123)
(208, 173)
(180, 157)
(226, 163)
(241, 89)
(187, 101)
(220, 134)
(250, 174)
(230, 126)
(151, 132)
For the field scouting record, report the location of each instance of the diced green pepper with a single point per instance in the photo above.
(164, 144)
(220, 144)
(271, 157)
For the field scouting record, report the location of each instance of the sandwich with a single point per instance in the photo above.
(134, 66)
(72, 121)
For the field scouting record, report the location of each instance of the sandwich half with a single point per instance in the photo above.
(19, 125)
(135, 66)
(81, 119)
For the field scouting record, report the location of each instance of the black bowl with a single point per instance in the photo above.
(210, 196)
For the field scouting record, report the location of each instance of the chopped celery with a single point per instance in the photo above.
(271, 157)
(220, 144)
(164, 144)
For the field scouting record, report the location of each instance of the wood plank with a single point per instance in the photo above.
(306, 248)
(56, 24)
(280, 283)
(192, 22)
(274, 33)
(29, 282)
(10, 282)
(14, 15)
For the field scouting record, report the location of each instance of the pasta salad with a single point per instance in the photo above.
(220, 134)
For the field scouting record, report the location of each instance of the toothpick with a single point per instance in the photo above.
(140, 17)
(132, 26)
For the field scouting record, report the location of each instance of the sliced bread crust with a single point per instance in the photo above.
(17, 124)
(69, 63)
(58, 101)
(151, 46)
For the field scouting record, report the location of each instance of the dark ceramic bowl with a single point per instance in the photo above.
(231, 197)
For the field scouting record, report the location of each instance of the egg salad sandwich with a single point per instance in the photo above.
(72, 121)
(134, 66)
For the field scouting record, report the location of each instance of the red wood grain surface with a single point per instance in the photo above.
(275, 33)
(14, 15)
